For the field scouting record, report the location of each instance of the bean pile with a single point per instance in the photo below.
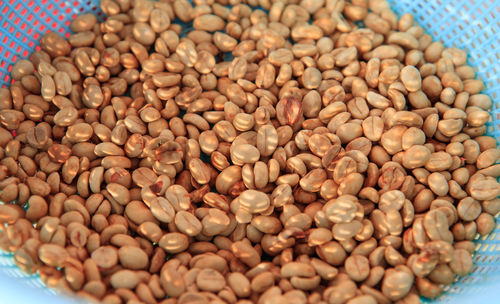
(325, 163)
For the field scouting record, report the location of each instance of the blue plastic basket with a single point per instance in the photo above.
(473, 25)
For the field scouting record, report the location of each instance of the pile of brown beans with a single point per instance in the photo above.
(325, 163)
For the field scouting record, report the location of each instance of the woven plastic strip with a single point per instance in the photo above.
(472, 25)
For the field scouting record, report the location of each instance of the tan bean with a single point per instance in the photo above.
(187, 223)
(22, 68)
(461, 262)
(174, 242)
(311, 78)
(246, 253)
(340, 210)
(468, 209)
(199, 171)
(83, 23)
(53, 255)
(239, 283)
(485, 224)
(37, 208)
(373, 128)
(484, 189)
(436, 225)
(124, 279)
(396, 284)
(210, 280)
(54, 44)
(244, 153)
(357, 267)
(438, 184)
(9, 213)
(132, 257)
(48, 88)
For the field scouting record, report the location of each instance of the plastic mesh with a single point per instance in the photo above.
(472, 25)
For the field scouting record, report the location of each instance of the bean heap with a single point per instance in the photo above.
(325, 163)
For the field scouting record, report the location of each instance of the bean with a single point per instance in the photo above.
(312, 78)
(436, 225)
(297, 269)
(162, 209)
(332, 253)
(468, 209)
(48, 88)
(343, 291)
(491, 206)
(262, 282)
(199, 171)
(84, 22)
(165, 169)
(22, 68)
(37, 208)
(416, 156)
(485, 223)
(105, 257)
(210, 280)
(438, 184)
(358, 108)
(487, 158)
(54, 45)
(267, 140)
(461, 262)
(246, 253)
(9, 213)
(208, 22)
(396, 284)
(215, 222)
(340, 210)
(151, 231)
(373, 128)
(174, 242)
(124, 279)
(313, 180)
(357, 267)
(391, 200)
(254, 201)
(132, 257)
(187, 223)
(484, 190)
(239, 284)
(411, 78)
(52, 254)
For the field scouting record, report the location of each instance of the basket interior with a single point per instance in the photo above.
(472, 25)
